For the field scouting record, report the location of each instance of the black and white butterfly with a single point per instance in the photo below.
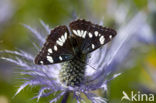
(62, 46)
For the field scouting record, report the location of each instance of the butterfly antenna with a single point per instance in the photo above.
(91, 66)
(88, 64)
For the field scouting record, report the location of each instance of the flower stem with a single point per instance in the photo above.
(65, 97)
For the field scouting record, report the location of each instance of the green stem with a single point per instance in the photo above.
(65, 97)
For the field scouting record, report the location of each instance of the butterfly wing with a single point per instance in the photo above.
(90, 36)
(57, 47)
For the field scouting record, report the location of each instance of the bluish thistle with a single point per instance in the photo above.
(102, 64)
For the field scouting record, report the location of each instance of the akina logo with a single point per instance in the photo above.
(137, 96)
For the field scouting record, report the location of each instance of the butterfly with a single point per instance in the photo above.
(63, 44)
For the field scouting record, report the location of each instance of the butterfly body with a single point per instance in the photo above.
(73, 71)
(72, 50)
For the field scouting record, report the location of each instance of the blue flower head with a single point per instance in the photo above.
(100, 67)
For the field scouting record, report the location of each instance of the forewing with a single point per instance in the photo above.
(90, 36)
(57, 47)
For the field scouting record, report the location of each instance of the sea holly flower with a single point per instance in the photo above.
(100, 67)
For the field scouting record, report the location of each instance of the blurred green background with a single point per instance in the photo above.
(13, 13)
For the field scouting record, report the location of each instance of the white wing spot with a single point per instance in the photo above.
(79, 33)
(60, 58)
(99, 34)
(55, 48)
(75, 32)
(102, 40)
(59, 42)
(62, 39)
(110, 36)
(84, 34)
(90, 35)
(93, 46)
(59, 39)
(50, 59)
(50, 50)
(41, 62)
(96, 33)
(65, 35)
